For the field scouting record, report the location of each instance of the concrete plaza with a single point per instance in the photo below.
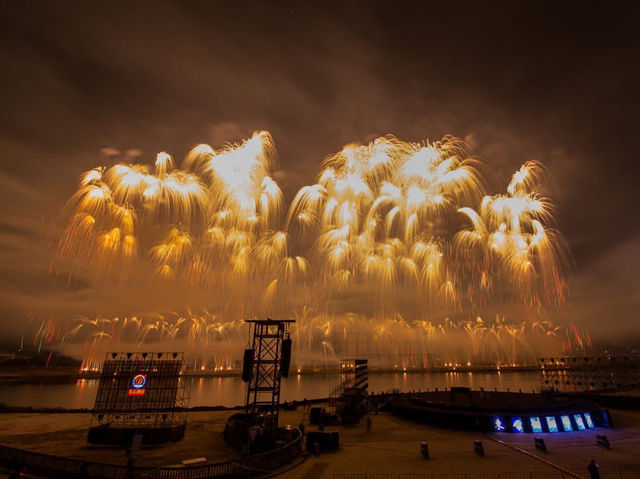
(390, 450)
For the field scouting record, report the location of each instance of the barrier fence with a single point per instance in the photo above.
(69, 468)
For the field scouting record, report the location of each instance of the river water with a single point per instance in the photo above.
(230, 391)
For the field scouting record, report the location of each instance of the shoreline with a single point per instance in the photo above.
(627, 398)
(61, 410)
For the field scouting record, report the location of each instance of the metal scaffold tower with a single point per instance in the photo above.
(265, 364)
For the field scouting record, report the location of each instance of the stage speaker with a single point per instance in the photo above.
(314, 415)
(247, 365)
(285, 359)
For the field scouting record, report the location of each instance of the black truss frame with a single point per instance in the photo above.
(263, 389)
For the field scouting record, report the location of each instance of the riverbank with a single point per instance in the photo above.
(4, 409)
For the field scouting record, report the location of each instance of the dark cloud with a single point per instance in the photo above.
(553, 82)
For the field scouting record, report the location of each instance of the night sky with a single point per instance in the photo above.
(555, 83)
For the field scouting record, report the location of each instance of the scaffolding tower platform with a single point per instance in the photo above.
(266, 362)
(349, 398)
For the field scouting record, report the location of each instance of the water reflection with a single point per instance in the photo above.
(231, 391)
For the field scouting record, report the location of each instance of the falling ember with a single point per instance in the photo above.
(400, 234)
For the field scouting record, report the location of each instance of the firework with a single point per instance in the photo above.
(395, 240)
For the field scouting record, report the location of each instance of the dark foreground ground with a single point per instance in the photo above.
(389, 451)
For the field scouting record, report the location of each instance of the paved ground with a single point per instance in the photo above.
(66, 435)
(392, 447)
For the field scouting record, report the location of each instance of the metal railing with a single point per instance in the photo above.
(65, 467)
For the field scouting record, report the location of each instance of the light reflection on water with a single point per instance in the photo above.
(230, 391)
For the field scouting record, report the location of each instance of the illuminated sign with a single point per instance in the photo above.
(579, 422)
(536, 426)
(517, 425)
(587, 417)
(551, 424)
(138, 383)
(566, 423)
(498, 424)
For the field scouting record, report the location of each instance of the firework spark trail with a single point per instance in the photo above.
(382, 213)
(406, 229)
(392, 341)
(510, 237)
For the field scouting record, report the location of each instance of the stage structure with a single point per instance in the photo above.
(589, 373)
(266, 362)
(140, 393)
(349, 398)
